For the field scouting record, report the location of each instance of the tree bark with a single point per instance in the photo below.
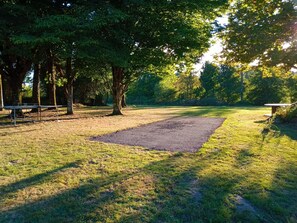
(16, 82)
(69, 86)
(1, 94)
(52, 83)
(124, 104)
(117, 89)
(241, 87)
(36, 86)
(70, 99)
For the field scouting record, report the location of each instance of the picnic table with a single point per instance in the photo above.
(274, 107)
(14, 108)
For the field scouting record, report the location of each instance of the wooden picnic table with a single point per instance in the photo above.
(13, 108)
(274, 107)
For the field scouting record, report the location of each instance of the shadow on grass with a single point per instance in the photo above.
(176, 194)
(34, 180)
(277, 203)
(53, 115)
(289, 130)
(175, 197)
(278, 130)
(15, 132)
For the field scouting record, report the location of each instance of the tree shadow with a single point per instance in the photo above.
(277, 130)
(6, 190)
(278, 202)
(289, 129)
(16, 132)
(175, 192)
(176, 196)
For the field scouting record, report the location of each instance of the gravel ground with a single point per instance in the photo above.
(184, 134)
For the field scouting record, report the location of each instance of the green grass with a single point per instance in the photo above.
(51, 172)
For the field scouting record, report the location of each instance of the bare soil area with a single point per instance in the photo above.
(183, 134)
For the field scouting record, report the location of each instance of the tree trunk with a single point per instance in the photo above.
(242, 87)
(16, 82)
(70, 99)
(36, 86)
(69, 86)
(124, 104)
(52, 83)
(117, 89)
(1, 95)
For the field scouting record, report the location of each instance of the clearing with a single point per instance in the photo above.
(51, 172)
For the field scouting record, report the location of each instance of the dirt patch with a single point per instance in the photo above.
(185, 134)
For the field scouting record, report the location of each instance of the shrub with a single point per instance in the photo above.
(287, 114)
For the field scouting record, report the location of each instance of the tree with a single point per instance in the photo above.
(263, 31)
(263, 89)
(187, 83)
(142, 91)
(229, 86)
(291, 84)
(208, 79)
(15, 60)
(158, 32)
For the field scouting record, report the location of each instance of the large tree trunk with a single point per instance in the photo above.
(117, 89)
(1, 95)
(16, 82)
(52, 83)
(70, 99)
(36, 87)
(69, 86)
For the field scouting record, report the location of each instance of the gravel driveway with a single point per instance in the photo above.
(184, 134)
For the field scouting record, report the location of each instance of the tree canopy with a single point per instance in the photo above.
(264, 31)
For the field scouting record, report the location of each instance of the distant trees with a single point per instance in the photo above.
(220, 83)
(208, 79)
(261, 89)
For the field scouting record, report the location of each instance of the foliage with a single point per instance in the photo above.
(188, 84)
(208, 79)
(291, 84)
(142, 91)
(261, 90)
(287, 114)
(228, 85)
(267, 35)
(166, 90)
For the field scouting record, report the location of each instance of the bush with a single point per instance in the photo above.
(287, 114)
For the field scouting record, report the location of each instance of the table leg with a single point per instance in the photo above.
(274, 109)
(14, 116)
(39, 113)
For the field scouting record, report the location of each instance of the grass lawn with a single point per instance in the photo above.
(51, 172)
